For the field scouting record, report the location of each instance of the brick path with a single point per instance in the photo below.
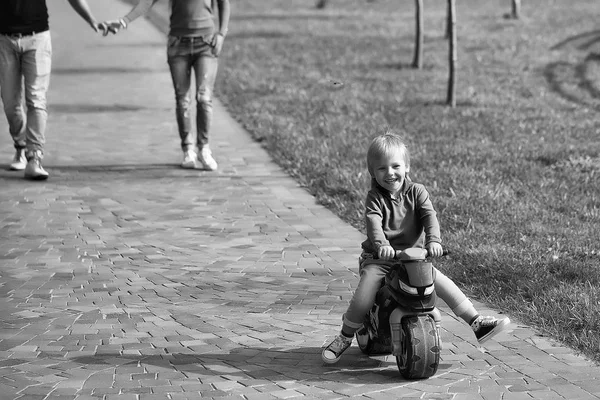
(123, 276)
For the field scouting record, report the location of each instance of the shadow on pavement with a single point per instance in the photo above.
(303, 363)
(92, 108)
(106, 70)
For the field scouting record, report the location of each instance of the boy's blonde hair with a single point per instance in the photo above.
(385, 145)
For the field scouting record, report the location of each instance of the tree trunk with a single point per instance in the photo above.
(516, 9)
(452, 54)
(448, 22)
(418, 56)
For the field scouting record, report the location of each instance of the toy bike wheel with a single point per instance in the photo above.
(365, 343)
(420, 355)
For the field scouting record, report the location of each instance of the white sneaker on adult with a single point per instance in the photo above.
(207, 160)
(19, 161)
(189, 159)
(34, 169)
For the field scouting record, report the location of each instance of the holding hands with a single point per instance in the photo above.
(112, 26)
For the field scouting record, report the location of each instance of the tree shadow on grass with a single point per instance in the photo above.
(583, 41)
(293, 16)
(572, 80)
(273, 364)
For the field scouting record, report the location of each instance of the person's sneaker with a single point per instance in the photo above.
(34, 169)
(19, 162)
(189, 159)
(487, 327)
(332, 353)
(207, 160)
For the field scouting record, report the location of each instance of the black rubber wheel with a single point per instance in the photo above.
(365, 343)
(420, 348)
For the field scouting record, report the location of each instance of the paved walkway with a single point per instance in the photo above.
(123, 276)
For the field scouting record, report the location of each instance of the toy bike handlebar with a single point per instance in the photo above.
(398, 254)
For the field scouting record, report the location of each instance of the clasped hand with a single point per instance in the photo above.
(112, 26)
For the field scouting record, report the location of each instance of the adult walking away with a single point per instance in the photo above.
(194, 43)
(25, 66)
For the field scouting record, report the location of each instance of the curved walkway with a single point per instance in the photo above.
(123, 276)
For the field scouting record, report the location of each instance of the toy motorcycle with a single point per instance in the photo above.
(404, 321)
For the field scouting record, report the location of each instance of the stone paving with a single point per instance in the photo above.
(123, 276)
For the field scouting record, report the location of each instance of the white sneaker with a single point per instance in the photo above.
(19, 162)
(34, 169)
(189, 159)
(207, 160)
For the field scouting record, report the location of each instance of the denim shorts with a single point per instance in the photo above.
(190, 46)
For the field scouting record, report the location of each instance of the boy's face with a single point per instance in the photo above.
(390, 170)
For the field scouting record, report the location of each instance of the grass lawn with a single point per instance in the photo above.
(513, 170)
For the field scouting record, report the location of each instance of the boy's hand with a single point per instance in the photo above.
(217, 43)
(435, 249)
(386, 253)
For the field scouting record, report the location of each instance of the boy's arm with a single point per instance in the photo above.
(431, 225)
(83, 9)
(374, 222)
(224, 14)
(138, 10)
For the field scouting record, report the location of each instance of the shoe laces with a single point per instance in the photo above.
(340, 342)
(484, 322)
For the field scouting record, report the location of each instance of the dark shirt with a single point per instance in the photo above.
(23, 16)
(405, 220)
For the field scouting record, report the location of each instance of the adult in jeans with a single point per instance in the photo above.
(194, 44)
(25, 64)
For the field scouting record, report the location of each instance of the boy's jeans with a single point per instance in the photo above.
(25, 64)
(371, 279)
(184, 55)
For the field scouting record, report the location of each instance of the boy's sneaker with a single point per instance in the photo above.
(332, 353)
(34, 169)
(189, 159)
(487, 327)
(19, 162)
(207, 160)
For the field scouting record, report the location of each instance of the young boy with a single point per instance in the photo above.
(399, 215)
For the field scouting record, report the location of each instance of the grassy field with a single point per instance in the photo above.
(513, 170)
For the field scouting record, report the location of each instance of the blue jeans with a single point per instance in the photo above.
(25, 64)
(184, 55)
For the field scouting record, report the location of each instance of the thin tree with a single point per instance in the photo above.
(516, 9)
(452, 54)
(418, 56)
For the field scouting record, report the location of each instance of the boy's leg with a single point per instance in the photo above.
(11, 91)
(371, 276)
(484, 327)
(206, 65)
(36, 66)
(180, 66)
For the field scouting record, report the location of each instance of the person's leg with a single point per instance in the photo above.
(484, 327)
(179, 59)
(371, 277)
(36, 67)
(11, 92)
(205, 68)
(460, 305)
